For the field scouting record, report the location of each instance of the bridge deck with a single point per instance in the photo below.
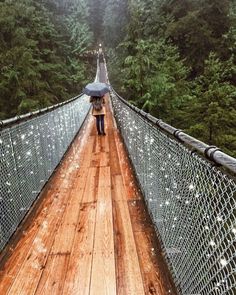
(89, 234)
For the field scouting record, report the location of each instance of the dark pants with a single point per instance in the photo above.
(100, 124)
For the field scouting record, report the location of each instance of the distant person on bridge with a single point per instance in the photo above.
(99, 111)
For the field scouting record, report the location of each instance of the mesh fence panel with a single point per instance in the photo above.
(191, 202)
(29, 153)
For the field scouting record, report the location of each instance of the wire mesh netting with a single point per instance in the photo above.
(29, 153)
(192, 204)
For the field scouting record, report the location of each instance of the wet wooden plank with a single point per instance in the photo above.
(103, 275)
(31, 269)
(105, 141)
(79, 268)
(63, 242)
(66, 229)
(53, 277)
(129, 278)
(95, 160)
(79, 180)
(88, 152)
(130, 184)
(66, 170)
(153, 283)
(146, 248)
(97, 146)
(90, 187)
(104, 177)
(16, 254)
(104, 159)
(154, 270)
(140, 219)
(114, 162)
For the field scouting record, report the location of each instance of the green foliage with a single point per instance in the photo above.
(177, 61)
(40, 55)
(114, 22)
(214, 108)
(77, 21)
(158, 75)
(198, 29)
(96, 13)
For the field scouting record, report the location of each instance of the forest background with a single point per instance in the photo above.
(173, 58)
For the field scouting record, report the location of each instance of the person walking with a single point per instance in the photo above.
(99, 111)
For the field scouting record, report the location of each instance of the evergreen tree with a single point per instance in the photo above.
(214, 107)
(198, 28)
(40, 59)
(96, 12)
(177, 61)
(115, 22)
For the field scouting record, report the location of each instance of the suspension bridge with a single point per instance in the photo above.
(146, 209)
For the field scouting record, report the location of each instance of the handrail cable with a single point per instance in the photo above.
(212, 153)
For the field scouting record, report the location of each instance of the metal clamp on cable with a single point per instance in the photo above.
(176, 134)
(210, 154)
(207, 150)
(158, 121)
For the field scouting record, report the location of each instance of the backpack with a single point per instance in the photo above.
(97, 103)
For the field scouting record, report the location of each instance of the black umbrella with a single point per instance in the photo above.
(96, 89)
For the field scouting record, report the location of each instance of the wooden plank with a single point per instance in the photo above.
(153, 281)
(129, 278)
(105, 177)
(15, 261)
(139, 216)
(62, 242)
(154, 271)
(103, 277)
(30, 271)
(66, 229)
(97, 146)
(67, 169)
(114, 162)
(88, 152)
(53, 277)
(77, 279)
(64, 238)
(91, 184)
(105, 140)
(99, 159)
(104, 159)
(119, 192)
(95, 159)
(128, 176)
(80, 179)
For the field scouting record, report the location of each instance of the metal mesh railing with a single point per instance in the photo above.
(29, 152)
(192, 204)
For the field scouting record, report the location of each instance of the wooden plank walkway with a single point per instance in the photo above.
(89, 233)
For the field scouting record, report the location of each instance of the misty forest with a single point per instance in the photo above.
(175, 59)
